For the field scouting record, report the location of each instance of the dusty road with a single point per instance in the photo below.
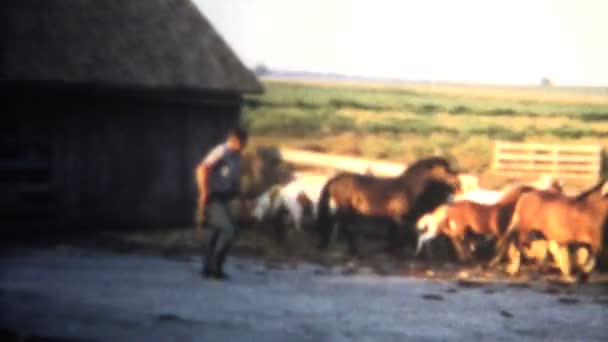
(96, 296)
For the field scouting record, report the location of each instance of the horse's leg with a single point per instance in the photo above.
(585, 261)
(326, 231)
(537, 252)
(429, 251)
(458, 236)
(457, 243)
(498, 253)
(392, 237)
(410, 236)
(514, 255)
(279, 226)
(344, 220)
(503, 241)
(350, 234)
(399, 232)
(469, 241)
(502, 246)
(514, 247)
(561, 254)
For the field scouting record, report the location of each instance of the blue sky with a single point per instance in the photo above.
(477, 41)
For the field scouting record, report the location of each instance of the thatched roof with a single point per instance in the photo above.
(131, 43)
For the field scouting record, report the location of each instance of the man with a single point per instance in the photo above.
(218, 177)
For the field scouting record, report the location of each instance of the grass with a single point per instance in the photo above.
(404, 122)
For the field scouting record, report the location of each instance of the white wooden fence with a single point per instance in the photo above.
(562, 161)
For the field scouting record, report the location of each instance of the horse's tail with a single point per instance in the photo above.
(324, 220)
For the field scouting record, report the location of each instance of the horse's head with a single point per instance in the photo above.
(440, 170)
(596, 197)
(557, 186)
(308, 211)
(305, 203)
(547, 182)
(430, 176)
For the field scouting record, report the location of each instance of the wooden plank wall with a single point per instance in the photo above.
(105, 162)
(562, 161)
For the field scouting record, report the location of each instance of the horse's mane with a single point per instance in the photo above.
(415, 178)
(425, 163)
(596, 188)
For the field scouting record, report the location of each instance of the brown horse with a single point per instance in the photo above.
(401, 199)
(565, 222)
(462, 218)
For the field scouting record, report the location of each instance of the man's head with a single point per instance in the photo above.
(237, 139)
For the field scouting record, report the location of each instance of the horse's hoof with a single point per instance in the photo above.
(583, 277)
(494, 263)
(569, 279)
(512, 270)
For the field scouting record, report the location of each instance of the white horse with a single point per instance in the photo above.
(428, 225)
(472, 192)
(297, 199)
(484, 196)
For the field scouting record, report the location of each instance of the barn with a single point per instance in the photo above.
(108, 106)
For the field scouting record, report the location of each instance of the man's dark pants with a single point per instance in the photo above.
(222, 234)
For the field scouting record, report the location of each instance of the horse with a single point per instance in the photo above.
(401, 200)
(566, 222)
(458, 219)
(468, 183)
(485, 196)
(288, 204)
(428, 224)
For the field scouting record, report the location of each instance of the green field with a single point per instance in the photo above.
(405, 122)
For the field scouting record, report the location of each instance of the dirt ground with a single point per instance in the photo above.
(301, 247)
(145, 285)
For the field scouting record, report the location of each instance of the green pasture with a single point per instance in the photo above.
(401, 124)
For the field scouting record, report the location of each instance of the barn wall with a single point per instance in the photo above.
(128, 163)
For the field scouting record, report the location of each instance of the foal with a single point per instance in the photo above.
(463, 217)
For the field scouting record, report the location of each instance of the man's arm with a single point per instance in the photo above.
(203, 169)
(202, 176)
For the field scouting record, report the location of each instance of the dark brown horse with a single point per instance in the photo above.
(565, 222)
(402, 199)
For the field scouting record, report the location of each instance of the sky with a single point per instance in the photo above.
(471, 41)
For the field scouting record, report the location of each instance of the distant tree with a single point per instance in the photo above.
(545, 82)
(261, 70)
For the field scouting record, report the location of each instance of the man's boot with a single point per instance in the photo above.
(220, 260)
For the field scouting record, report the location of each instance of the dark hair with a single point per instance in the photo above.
(240, 133)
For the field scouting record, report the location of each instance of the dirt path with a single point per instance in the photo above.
(92, 295)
